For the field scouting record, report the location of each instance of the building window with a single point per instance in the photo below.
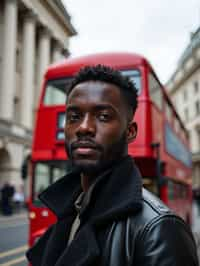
(197, 107)
(196, 86)
(185, 95)
(186, 114)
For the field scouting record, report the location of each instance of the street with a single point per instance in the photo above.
(13, 240)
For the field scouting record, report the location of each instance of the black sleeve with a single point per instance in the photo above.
(166, 242)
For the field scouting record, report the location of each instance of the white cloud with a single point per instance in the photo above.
(157, 29)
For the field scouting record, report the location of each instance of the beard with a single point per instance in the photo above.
(108, 156)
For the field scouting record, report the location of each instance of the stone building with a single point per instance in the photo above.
(184, 89)
(33, 34)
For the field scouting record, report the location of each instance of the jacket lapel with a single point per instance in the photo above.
(83, 250)
(57, 242)
(51, 245)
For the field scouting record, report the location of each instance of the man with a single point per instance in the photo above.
(104, 217)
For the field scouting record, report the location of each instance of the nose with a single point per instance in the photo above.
(87, 126)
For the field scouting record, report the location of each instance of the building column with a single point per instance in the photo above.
(28, 65)
(8, 59)
(44, 47)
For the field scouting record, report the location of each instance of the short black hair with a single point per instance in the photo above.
(109, 75)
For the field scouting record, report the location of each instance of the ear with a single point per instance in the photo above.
(131, 131)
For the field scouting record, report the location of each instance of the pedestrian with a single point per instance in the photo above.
(7, 193)
(18, 199)
(105, 218)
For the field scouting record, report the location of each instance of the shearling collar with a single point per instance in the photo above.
(114, 195)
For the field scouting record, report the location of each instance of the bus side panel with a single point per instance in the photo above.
(141, 146)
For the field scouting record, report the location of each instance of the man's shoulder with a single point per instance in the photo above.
(155, 229)
(154, 222)
(153, 206)
(153, 210)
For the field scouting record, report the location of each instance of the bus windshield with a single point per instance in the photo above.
(135, 77)
(55, 92)
(45, 174)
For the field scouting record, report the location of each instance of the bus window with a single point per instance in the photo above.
(46, 173)
(175, 147)
(155, 91)
(42, 178)
(55, 92)
(58, 173)
(135, 77)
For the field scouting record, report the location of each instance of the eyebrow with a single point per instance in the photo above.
(99, 107)
(72, 108)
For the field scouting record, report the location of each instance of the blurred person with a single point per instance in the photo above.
(105, 218)
(7, 193)
(18, 199)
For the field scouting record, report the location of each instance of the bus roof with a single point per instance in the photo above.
(72, 65)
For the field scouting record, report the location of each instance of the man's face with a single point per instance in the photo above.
(97, 131)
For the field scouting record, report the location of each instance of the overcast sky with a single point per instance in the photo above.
(158, 29)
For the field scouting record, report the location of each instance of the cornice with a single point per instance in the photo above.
(62, 13)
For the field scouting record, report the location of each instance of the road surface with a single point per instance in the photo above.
(13, 240)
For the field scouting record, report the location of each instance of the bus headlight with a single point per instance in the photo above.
(32, 215)
(45, 213)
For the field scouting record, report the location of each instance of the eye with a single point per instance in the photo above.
(104, 117)
(73, 117)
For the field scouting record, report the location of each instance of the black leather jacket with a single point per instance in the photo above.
(153, 237)
(122, 225)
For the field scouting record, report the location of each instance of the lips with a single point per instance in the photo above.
(85, 151)
(84, 148)
(84, 144)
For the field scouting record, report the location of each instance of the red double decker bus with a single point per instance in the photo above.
(161, 149)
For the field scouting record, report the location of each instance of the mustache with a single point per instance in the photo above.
(85, 143)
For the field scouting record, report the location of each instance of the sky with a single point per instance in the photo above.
(157, 29)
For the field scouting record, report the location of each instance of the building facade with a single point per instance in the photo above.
(33, 34)
(184, 89)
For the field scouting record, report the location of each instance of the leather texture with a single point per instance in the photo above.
(154, 237)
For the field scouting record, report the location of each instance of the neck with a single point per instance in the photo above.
(85, 182)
